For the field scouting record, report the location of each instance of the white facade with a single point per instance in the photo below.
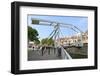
(76, 40)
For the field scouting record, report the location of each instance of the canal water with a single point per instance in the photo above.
(78, 52)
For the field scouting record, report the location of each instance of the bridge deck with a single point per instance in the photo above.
(54, 54)
(43, 55)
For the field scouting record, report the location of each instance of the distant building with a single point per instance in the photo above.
(30, 44)
(74, 40)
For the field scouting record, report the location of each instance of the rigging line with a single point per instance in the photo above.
(61, 32)
(70, 27)
(78, 29)
(54, 33)
(57, 30)
(73, 29)
(51, 34)
(57, 33)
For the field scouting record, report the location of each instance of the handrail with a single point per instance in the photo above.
(66, 56)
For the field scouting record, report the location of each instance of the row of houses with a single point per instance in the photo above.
(75, 40)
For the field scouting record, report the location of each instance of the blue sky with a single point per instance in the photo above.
(44, 31)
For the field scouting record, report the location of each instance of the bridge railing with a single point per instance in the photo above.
(65, 54)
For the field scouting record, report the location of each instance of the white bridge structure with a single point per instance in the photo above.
(55, 34)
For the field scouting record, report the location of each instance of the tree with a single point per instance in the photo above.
(33, 34)
(48, 42)
(37, 42)
(44, 41)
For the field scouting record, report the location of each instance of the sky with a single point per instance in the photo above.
(44, 31)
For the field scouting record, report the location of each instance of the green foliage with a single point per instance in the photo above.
(37, 42)
(48, 42)
(33, 34)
